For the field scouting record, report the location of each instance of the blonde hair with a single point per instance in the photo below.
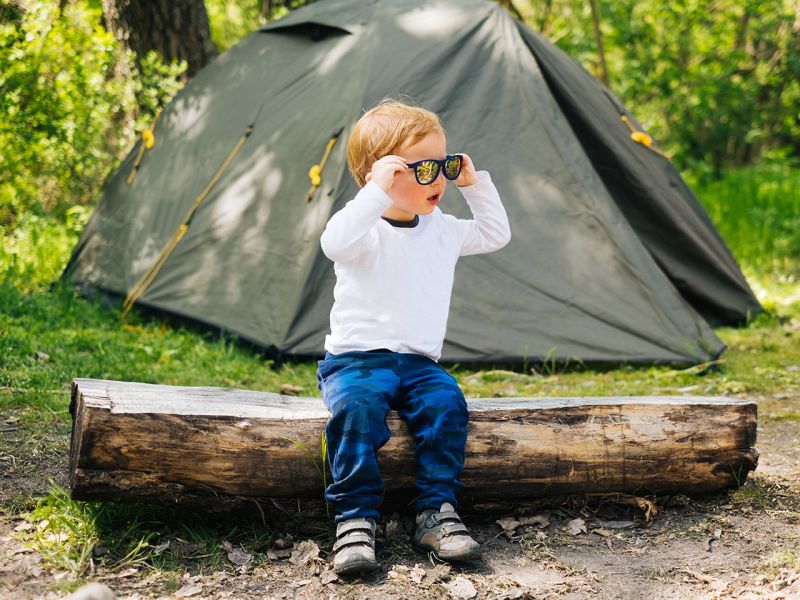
(383, 130)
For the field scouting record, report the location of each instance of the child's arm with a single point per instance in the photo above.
(350, 233)
(489, 230)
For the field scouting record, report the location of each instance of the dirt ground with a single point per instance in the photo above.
(742, 544)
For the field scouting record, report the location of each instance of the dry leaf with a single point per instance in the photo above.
(189, 590)
(648, 507)
(288, 389)
(575, 526)
(327, 577)
(237, 556)
(441, 572)
(540, 520)
(304, 553)
(461, 587)
(508, 523)
(417, 574)
(283, 542)
(279, 554)
(603, 532)
(615, 524)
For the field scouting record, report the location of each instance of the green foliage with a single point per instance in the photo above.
(70, 102)
(715, 82)
(757, 211)
(232, 21)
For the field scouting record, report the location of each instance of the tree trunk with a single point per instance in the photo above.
(135, 441)
(598, 37)
(177, 29)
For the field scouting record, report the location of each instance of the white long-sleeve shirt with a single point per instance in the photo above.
(393, 283)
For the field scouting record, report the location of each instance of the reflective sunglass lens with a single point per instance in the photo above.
(427, 171)
(452, 167)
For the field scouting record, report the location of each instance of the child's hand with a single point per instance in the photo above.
(384, 170)
(467, 176)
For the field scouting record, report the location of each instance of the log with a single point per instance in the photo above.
(158, 443)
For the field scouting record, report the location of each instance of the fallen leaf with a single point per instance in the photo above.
(508, 523)
(648, 507)
(540, 520)
(283, 542)
(327, 577)
(279, 554)
(301, 583)
(237, 556)
(304, 553)
(615, 524)
(603, 532)
(121, 575)
(189, 590)
(441, 572)
(575, 526)
(417, 574)
(461, 587)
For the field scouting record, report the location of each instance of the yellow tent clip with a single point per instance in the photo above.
(148, 141)
(148, 138)
(315, 172)
(314, 175)
(640, 137)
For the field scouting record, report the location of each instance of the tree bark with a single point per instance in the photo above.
(177, 29)
(598, 37)
(156, 443)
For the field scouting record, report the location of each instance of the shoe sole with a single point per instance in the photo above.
(356, 567)
(474, 555)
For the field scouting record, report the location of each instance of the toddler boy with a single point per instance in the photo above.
(394, 254)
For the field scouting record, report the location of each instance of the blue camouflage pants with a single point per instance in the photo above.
(359, 388)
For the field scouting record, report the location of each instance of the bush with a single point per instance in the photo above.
(71, 101)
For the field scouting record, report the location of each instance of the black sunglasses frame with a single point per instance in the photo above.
(440, 167)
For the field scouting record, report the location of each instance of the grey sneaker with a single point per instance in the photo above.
(445, 535)
(355, 547)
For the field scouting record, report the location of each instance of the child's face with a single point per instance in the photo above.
(411, 198)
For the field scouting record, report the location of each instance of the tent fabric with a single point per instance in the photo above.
(576, 282)
(655, 200)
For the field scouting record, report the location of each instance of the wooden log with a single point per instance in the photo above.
(158, 443)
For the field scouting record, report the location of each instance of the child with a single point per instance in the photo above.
(394, 254)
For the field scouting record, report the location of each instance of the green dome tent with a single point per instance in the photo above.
(612, 259)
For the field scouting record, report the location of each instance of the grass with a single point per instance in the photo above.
(48, 335)
(77, 537)
(757, 211)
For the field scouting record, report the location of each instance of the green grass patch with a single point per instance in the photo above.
(76, 536)
(757, 211)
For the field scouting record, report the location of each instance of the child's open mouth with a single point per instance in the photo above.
(434, 199)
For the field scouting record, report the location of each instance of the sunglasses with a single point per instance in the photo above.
(426, 171)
